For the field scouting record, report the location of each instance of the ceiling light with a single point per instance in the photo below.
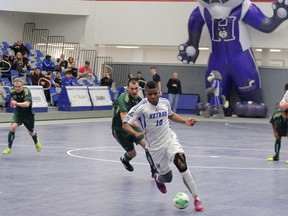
(128, 47)
(275, 50)
(258, 50)
(203, 48)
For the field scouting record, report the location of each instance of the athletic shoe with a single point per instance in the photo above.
(7, 151)
(38, 146)
(160, 186)
(275, 158)
(198, 205)
(287, 161)
(154, 172)
(126, 164)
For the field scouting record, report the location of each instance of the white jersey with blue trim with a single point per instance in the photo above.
(155, 119)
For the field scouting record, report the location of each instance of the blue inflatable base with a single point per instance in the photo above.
(102, 108)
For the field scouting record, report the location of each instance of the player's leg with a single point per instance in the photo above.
(123, 139)
(29, 123)
(277, 147)
(11, 137)
(188, 178)
(148, 157)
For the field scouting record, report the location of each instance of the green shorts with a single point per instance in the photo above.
(125, 140)
(28, 121)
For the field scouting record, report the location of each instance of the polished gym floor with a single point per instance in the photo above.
(78, 172)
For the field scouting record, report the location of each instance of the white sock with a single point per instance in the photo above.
(189, 181)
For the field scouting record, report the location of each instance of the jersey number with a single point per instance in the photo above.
(159, 122)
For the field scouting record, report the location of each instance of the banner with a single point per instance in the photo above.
(78, 96)
(100, 97)
(38, 97)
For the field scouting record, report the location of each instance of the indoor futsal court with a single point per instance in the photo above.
(78, 172)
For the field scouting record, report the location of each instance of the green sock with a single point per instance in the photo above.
(35, 139)
(126, 157)
(150, 160)
(11, 136)
(277, 147)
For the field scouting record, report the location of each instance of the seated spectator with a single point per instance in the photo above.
(11, 58)
(73, 70)
(49, 77)
(106, 80)
(2, 95)
(36, 76)
(62, 64)
(48, 64)
(20, 67)
(67, 80)
(58, 79)
(70, 61)
(19, 47)
(5, 66)
(26, 60)
(85, 73)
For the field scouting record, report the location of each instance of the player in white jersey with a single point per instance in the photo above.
(153, 114)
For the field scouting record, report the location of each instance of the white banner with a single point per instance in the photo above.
(38, 97)
(78, 96)
(100, 96)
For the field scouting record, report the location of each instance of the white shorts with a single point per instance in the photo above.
(163, 157)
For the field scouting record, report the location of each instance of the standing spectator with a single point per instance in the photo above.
(21, 100)
(156, 78)
(48, 64)
(85, 73)
(174, 89)
(140, 80)
(106, 80)
(19, 47)
(62, 64)
(19, 66)
(26, 60)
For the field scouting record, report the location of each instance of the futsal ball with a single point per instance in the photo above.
(181, 200)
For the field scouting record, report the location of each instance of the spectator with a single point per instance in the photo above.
(26, 60)
(58, 80)
(70, 61)
(36, 76)
(156, 78)
(140, 80)
(106, 80)
(48, 64)
(62, 64)
(19, 47)
(11, 58)
(67, 80)
(19, 66)
(5, 66)
(174, 89)
(73, 70)
(85, 73)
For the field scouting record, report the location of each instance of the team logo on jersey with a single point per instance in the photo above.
(131, 114)
(222, 33)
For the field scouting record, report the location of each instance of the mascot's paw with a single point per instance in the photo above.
(250, 109)
(280, 8)
(187, 54)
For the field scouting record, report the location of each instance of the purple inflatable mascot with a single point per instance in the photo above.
(231, 53)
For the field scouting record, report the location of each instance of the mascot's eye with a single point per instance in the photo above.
(215, 1)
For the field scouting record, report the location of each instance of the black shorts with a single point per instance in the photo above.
(27, 120)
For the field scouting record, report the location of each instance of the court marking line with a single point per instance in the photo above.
(234, 125)
(197, 167)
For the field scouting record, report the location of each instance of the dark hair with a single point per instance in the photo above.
(139, 72)
(153, 68)
(87, 62)
(151, 85)
(132, 81)
(37, 68)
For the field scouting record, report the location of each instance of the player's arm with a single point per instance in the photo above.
(123, 115)
(177, 118)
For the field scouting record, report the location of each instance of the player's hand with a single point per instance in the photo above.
(283, 105)
(139, 134)
(191, 122)
(13, 103)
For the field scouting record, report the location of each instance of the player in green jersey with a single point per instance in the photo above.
(21, 100)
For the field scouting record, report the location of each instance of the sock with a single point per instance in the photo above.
(277, 147)
(11, 136)
(126, 157)
(150, 161)
(189, 181)
(35, 139)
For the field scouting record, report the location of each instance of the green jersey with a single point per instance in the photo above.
(279, 122)
(23, 96)
(123, 104)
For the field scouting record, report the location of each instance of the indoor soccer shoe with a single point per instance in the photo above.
(38, 146)
(160, 186)
(7, 151)
(126, 164)
(198, 205)
(275, 158)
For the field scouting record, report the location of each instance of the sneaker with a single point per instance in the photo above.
(126, 164)
(38, 146)
(275, 158)
(160, 186)
(198, 205)
(7, 151)
(154, 172)
(287, 162)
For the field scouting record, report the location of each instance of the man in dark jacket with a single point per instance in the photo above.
(174, 89)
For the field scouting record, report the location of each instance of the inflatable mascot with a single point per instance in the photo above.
(231, 55)
(217, 101)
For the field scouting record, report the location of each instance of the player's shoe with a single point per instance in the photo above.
(160, 186)
(275, 158)
(198, 205)
(126, 164)
(38, 146)
(287, 162)
(7, 151)
(154, 172)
